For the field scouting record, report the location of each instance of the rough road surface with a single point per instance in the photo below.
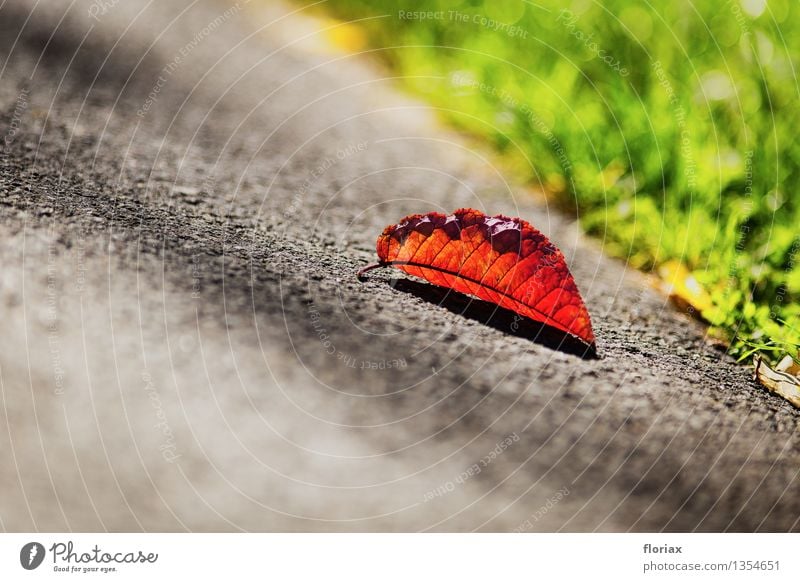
(187, 193)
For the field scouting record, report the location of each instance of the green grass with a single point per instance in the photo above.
(669, 129)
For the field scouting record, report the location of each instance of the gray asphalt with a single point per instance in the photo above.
(186, 346)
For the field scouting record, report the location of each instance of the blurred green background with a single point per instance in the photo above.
(668, 128)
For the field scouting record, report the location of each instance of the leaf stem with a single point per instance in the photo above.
(368, 268)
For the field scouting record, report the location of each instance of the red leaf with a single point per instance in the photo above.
(502, 260)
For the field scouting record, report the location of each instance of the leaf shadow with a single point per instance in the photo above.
(497, 317)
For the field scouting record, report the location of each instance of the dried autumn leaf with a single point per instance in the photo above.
(502, 260)
(781, 383)
(788, 365)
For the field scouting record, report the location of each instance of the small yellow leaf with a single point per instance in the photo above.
(347, 37)
(683, 288)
